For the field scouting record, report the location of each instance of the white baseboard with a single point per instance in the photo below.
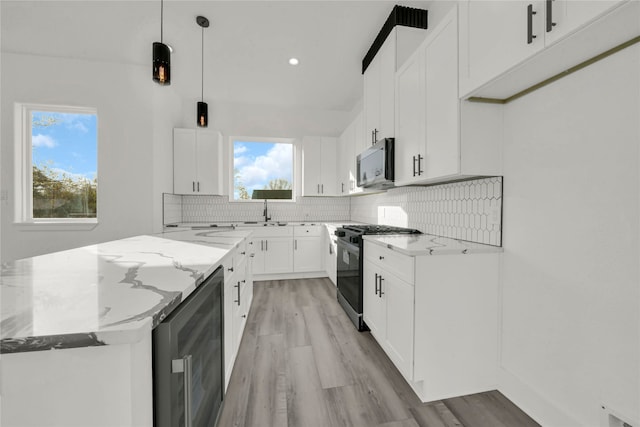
(286, 276)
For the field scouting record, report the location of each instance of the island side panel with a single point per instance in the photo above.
(92, 386)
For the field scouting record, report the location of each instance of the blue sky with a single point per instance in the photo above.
(260, 162)
(68, 145)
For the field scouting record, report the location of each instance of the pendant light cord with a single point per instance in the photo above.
(202, 86)
(161, 18)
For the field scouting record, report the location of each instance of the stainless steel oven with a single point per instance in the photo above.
(349, 266)
(188, 368)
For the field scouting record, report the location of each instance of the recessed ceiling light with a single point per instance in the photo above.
(294, 61)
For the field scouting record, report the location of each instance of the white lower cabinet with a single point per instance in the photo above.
(238, 294)
(436, 317)
(293, 251)
(388, 311)
(272, 249)
(330, 246)
(307, 248)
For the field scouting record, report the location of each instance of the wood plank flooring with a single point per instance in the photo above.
(302, 363)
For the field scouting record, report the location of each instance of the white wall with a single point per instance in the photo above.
(134, 131)
(266, 120)
(571, 285)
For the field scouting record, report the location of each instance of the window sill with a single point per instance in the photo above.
(85, 225)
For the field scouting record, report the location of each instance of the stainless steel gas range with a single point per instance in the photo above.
(349, 274)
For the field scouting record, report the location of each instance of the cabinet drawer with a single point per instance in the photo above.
(241, 252)
(307, 231)
(391, 261)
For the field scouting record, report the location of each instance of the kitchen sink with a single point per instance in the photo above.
(263, 223)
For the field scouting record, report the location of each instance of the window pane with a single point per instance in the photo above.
(64, 164)
(262, 170)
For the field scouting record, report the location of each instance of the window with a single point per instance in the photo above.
(262, 169)
(59, 180)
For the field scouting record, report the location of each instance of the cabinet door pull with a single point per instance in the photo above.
(372, 140)
(198, 186)
(266, 245)
(380, 293)
(318, 188)
(375, 135)
(342, 191)
(414, 165)
(420, 159)
(376, 285)
(322, 188)
(381, 257)
(193, 186)
(550, 23)
(530, 13)
(262, 245)
(295, 244)
(243, 253)
(238, 300)
(230, 269)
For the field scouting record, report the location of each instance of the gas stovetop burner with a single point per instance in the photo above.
(380, 229)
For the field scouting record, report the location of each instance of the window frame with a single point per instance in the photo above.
(23, 164)
(294, 167)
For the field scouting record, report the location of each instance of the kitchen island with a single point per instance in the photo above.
(75, 326)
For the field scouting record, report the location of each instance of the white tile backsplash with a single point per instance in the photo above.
(218, 208)
(467, 210)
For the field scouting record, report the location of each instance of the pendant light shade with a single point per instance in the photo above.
(161, 56)
(203, 114)
(203, 108)
(161, 63)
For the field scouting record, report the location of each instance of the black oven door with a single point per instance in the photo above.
(348, 274)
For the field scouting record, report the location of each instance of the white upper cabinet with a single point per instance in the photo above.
(410, 144)
(494, 35)
(379, 82)
(564, 16)
(319, 158)
(497, 37)
(197, 161)
(346, 160)
(350, 144)
(438, 137)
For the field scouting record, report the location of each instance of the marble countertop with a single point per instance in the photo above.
(244, 225)
(108, 293)
(427, 244)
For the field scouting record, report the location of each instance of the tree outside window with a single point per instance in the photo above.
(262, 170)
(63, 164)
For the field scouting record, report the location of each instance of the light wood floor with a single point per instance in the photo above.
(303, 364)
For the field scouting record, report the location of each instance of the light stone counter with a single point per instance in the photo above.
(108, 293)
(427, 244)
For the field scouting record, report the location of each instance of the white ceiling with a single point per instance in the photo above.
(247, 46)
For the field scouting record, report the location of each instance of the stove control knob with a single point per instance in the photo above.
(340, 233)
(354, 239)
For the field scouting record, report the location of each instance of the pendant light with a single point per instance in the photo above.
(161, 56)
(203, 108)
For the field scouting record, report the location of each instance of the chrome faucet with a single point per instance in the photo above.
(265, 213)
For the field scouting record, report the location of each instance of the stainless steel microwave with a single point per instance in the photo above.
(376, 165)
